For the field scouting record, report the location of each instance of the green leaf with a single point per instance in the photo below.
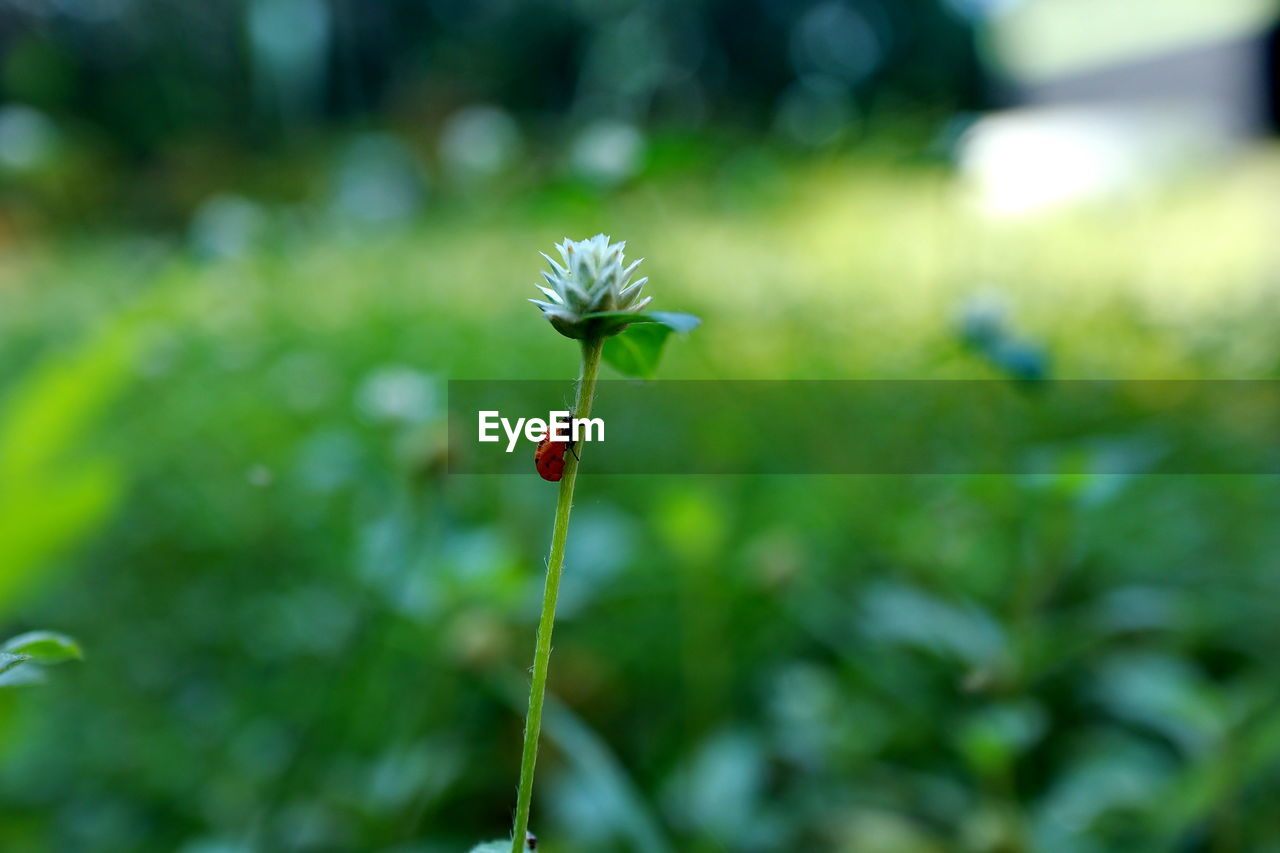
(674, 320)
(43, 647)
(22, 673)
(9, 661)
(609, 322)
(637, 350)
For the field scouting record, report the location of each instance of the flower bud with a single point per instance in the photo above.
(590, 279)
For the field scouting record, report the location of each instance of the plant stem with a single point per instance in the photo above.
(555, 564)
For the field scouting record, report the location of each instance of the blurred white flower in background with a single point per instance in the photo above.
(226, 226)
(817, 110)
(608, 152)
(28, 138)
(396, 393)
(479, 141)
(378, 181)
(836, 40)
(289, 41)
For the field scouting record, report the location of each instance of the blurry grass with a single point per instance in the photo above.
(861, 265)
(291, 620)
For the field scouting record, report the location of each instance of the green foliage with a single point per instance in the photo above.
(52, 490)
(636, 351)
(43, 647)
(610, 322)
(304, 634)
(23, 658)
(9, 661)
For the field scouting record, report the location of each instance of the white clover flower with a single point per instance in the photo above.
(590, 290)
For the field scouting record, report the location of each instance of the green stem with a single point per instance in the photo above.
(555, 564)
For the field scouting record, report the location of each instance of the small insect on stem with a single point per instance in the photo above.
(530, 841)
(548, 458)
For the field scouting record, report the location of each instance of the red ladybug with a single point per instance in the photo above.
(549, 458)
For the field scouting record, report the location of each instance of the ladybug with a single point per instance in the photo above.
(549, 458)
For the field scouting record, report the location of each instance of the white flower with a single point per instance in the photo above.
(590, 279)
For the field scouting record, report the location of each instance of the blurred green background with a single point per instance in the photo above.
(243, 246)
